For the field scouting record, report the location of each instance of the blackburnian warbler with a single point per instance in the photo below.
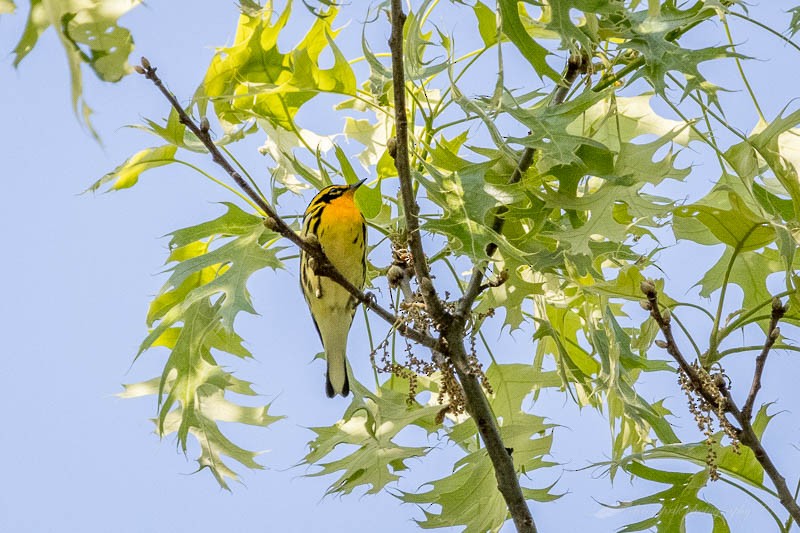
(338, 225)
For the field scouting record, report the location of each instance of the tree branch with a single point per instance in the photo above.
(576, 64)
(275, 222)
(746, 434)
(452, 328)
(410, 206)
(481, 412)
(778, 310)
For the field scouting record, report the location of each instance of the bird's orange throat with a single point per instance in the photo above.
(343, 210)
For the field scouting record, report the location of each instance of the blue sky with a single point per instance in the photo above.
(80, 270)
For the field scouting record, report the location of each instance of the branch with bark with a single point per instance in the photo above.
(273, 221)
(577, 64)
(721, 399)
(453, 326)
(411, 208)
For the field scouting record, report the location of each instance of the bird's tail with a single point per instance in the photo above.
(336, 381)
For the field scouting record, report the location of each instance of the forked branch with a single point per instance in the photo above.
(773, 332)
(745, 432)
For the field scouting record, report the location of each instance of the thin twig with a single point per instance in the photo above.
(778, 310)
(575, 65)
(664, 323)
(501, 278)
(745, 433)
(410, 206)
(275, 222)
(749, 438)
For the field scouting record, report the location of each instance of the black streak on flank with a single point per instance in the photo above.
(315, 225)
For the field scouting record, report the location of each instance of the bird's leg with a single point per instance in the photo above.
(312, 263)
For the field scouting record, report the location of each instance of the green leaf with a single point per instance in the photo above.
(551, 130)
(676, 502)
(466, 199)
(777, 144)
(616, 119)
(794, 24)
(487, 23)
(627, 286)
(374, 137)
(654, 38)
(235, 221)
(468, 497)
(416, 43)
(7, 7)
(555, 333)
(749, 271)
(532, 51)
(370, 423)
(227, 269)
(631, 417)
(741, 465)
(520, 286)
(281, 144)
(89, 33)
(738, 227)
(560, 20)
(127, 174)
(193, 315)
(192, 398)
(368, 200)
(253, 79)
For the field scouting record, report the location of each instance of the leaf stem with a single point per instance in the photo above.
(716, 336)
(221, 183)
(755, 347)
(741, 320)
(767, 28)
(741, 70)
(750, 493)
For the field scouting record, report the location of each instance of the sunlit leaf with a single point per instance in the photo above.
(253, 79)
(737, 227)
(469, 497)
(127, 174)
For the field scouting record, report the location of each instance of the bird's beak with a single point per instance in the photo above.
(355, 186)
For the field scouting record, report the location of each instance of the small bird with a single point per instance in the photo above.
(335, 221)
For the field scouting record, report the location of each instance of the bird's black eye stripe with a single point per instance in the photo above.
(332, 193)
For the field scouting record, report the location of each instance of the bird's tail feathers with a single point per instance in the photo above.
(336, 380)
